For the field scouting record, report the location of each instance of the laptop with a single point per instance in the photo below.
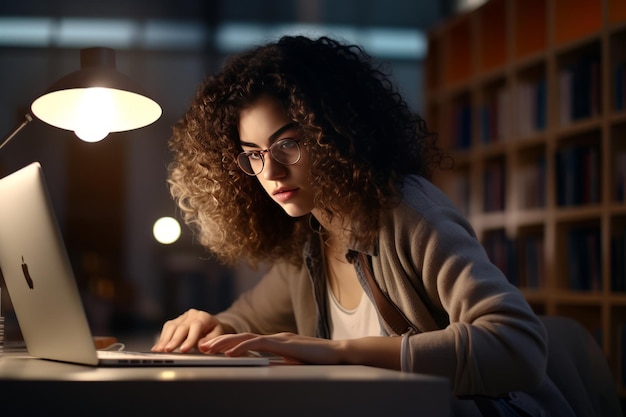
(43, 290)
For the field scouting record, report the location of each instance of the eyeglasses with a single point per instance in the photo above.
(284, 151)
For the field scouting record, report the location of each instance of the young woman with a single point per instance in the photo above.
(300, 154)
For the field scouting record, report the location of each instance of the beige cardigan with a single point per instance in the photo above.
(475, 328)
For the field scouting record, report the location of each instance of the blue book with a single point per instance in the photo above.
(485, 132)
(619, 86)
(622, 353)
(540, 105)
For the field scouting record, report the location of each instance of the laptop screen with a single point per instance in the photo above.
(37, 271)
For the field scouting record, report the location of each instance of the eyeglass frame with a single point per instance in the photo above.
(269, 150)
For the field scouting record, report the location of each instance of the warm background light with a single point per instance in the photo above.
(166, 230)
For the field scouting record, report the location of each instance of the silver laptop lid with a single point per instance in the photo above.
(38, 274)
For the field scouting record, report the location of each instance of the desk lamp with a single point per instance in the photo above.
(93, 101)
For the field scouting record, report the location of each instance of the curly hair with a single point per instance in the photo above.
(361, 136)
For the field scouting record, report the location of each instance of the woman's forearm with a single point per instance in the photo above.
(381, 352)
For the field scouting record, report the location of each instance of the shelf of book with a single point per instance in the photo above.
(529, 98)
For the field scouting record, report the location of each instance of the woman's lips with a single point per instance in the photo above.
(283, 195)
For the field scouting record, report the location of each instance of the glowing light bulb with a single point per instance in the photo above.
(91, 135)
(96, 112)
(166, 230)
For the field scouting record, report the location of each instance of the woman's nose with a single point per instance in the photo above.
(273, 169)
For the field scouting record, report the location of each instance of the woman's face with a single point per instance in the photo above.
(261, 125)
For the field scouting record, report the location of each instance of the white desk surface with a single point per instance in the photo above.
(30, 386)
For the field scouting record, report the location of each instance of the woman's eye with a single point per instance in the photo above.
(286, 144)
(254, 156)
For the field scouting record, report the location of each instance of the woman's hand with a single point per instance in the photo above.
(294, 348)
(187, 331)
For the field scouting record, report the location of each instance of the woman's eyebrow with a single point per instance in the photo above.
(271, 138)
(280, 131)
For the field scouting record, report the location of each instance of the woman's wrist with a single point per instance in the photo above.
(345, 354)
(379, 351)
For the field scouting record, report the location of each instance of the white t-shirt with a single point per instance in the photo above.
(352, 324)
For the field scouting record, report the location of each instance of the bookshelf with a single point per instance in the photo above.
(529, 97)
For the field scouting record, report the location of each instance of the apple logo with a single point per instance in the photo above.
(27, 277)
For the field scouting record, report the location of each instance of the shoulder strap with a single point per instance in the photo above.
(387, 309)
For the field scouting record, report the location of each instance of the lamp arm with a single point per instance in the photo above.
(27, 119)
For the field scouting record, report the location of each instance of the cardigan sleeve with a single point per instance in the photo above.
(493, 342)
(282, 301)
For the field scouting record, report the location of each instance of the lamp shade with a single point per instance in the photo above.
(96, 100)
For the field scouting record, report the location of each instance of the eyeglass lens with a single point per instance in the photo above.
(285, 151)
